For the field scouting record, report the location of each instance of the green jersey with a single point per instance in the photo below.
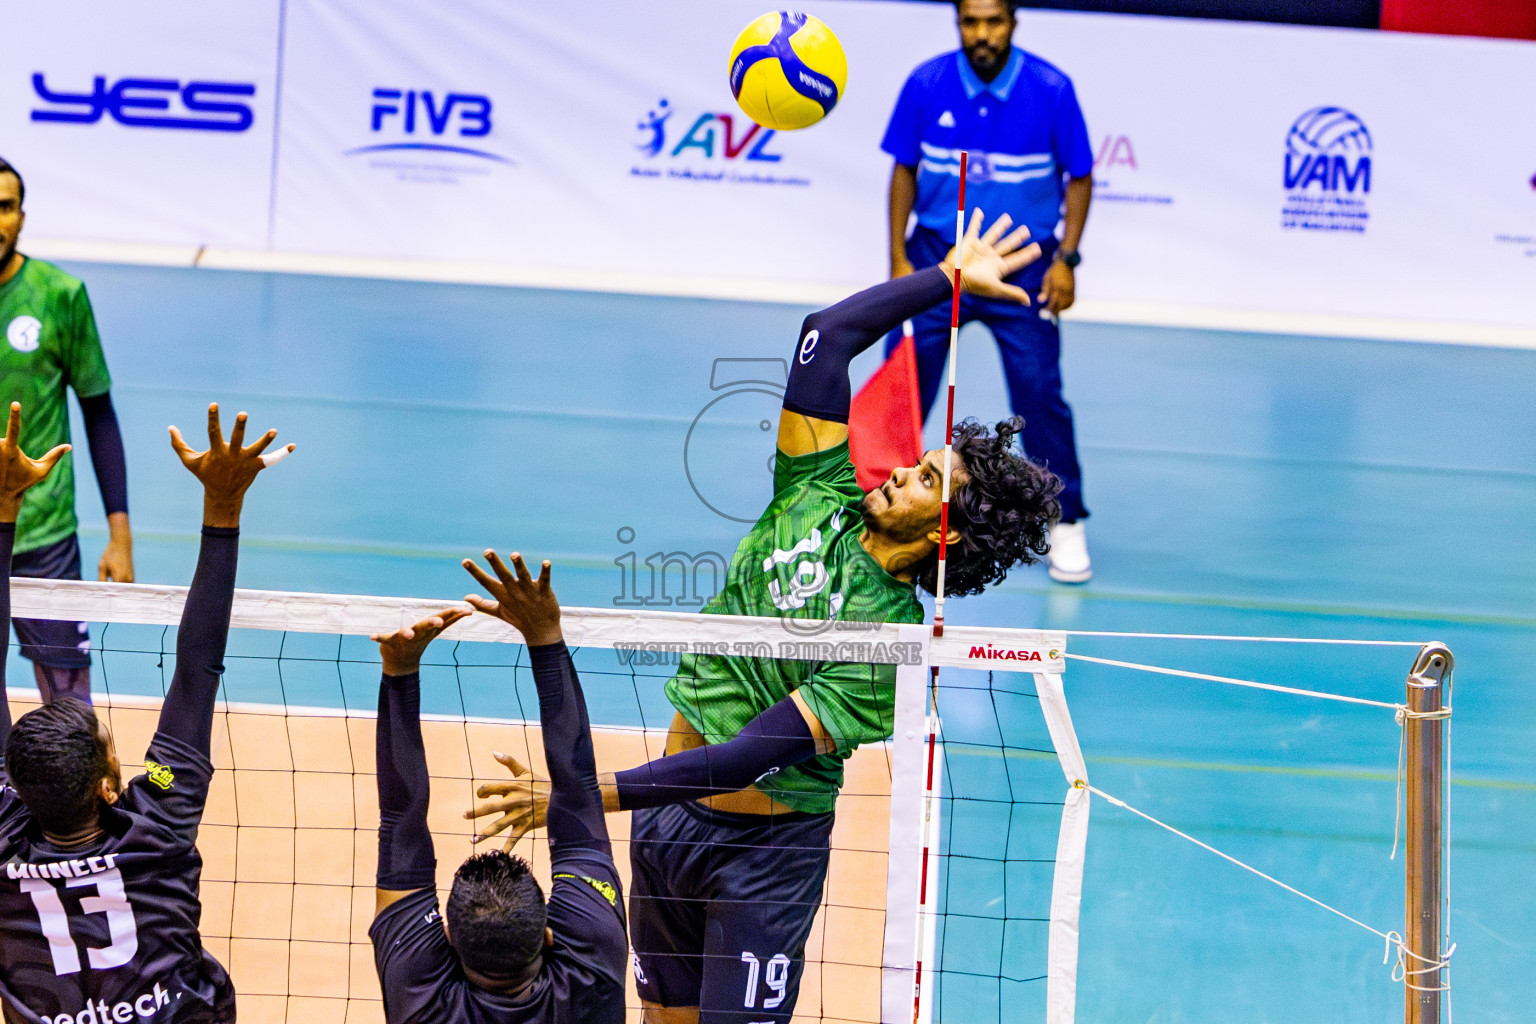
(51, 344)
(802, 560)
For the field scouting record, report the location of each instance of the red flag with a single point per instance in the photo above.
(885, 423)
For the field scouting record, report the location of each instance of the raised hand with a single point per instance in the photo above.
(527, 604)
(522, 804)
(986, 259)
(226, 469)
(18, 471)
(401, 650)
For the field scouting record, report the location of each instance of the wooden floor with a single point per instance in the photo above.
(289, 844)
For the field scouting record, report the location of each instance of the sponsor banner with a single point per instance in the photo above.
(143, 122)
(1302, 170)
(1245, 166)
(603, 137)
(1320, 176)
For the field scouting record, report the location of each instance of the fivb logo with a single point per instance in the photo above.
(147, 103)
(1330, 148)
(426, 119)
(702, 136)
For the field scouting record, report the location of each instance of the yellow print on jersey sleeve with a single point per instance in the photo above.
(604, 889)
(159, 774)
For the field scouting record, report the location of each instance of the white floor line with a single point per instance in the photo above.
(799, 293)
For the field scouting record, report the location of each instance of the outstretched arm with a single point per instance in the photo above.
(226, 470)
(575, 815)
(816, 402)
(406, 860)
(787, 733)
(17, 473)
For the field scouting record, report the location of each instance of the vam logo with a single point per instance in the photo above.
(1328, 147)
(1327, 174)
(146, 103)
(423, 121)
(701, 137)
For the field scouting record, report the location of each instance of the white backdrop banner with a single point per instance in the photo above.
(1250, 167)
(148, 121)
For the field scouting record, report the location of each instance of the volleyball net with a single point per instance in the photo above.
(956, 874)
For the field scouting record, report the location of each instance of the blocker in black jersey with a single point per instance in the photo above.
(101, 926)
(109, 932)
(498, 973)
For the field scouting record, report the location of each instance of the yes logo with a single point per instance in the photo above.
(137, 102)
(24, 333)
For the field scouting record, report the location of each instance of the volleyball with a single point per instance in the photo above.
(787, 70)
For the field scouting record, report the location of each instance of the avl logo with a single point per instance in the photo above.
(1327, 172)
(711, 135)
(427, 120)
(148, 103)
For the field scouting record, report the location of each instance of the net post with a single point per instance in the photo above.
(1424, 731)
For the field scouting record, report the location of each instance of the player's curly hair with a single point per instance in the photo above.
(1003, 513)
(496, 914)
(55, 758)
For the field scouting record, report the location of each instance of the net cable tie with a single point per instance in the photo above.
(1400, 973)
(1275, 687)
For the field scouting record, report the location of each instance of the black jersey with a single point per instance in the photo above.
(108, 933)
(582, 980)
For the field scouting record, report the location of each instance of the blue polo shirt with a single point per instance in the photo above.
(1024, 130)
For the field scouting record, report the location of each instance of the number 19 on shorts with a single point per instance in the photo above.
(776, 978)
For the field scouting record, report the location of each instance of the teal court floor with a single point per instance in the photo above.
(1239, 484)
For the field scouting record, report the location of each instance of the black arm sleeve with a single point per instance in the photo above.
(7, 541)
(829, 339)
(200, 640)
(575, 815)
(406, 860)
(106, 441)
(777, 738)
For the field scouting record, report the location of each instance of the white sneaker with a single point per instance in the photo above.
(1068, 557)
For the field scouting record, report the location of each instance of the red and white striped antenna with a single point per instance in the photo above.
(938, 603)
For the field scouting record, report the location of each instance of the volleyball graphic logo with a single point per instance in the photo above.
(1330, 130)
(787, 70)
(1327, 172)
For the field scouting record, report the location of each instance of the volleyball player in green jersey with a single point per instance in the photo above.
(731, 836)
(51, 345)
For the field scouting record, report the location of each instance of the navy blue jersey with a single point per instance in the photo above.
(581, 982)
(110, 930)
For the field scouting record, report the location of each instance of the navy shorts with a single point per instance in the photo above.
(720, 906)
(52, 642)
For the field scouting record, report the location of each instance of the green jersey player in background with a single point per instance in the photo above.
(51, 346)
(731, 837)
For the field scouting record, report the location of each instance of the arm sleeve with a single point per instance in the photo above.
(106, 441)
(830, 338)
(187, 715)
(86, 364)
(7, 541)
(575, 815)
(1069, 136)
(777, 738)
(901, 134)
(406, 859)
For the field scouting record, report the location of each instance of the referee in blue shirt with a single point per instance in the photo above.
(1029, 151)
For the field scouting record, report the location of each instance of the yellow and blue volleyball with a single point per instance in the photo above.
(787, 70)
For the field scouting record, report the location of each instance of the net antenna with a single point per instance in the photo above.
(924, 913)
